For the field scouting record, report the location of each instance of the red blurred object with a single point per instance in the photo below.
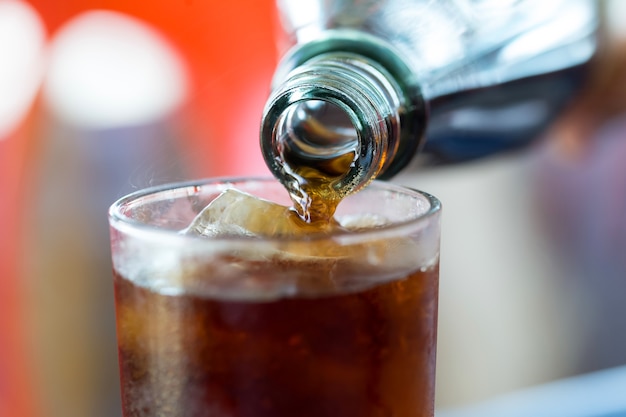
(230, 51)
(16, 389)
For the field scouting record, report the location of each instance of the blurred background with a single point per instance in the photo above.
(102, 97)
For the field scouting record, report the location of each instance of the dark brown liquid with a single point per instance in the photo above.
(328, 352)
(314, 191)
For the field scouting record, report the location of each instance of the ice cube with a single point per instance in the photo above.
(363, 221)
(235, 213)
(287, 256)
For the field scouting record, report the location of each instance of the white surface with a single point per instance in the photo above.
(22, 55)
(504, 321)
(600, 394)
(109, 70)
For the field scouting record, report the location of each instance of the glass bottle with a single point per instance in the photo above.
(366, 84)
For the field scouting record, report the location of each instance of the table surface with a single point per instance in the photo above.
(598, 394)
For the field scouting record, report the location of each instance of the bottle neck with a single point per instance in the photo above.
(339, 118)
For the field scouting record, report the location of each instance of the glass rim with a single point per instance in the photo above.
(127, 225)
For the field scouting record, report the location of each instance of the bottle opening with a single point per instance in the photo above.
(317, 129)
(317, 139)
(334, 124)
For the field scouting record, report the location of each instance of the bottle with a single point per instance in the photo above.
(367, 85)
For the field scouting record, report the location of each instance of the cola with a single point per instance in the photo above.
(230, 305)
(324, 351)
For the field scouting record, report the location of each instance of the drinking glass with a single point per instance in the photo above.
(340, 323)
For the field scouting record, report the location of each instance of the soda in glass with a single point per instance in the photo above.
(228, 305)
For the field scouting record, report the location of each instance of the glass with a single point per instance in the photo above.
(334, 325)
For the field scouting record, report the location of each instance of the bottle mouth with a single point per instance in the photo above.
(323, 133)
(318, 129)
(335, 114)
